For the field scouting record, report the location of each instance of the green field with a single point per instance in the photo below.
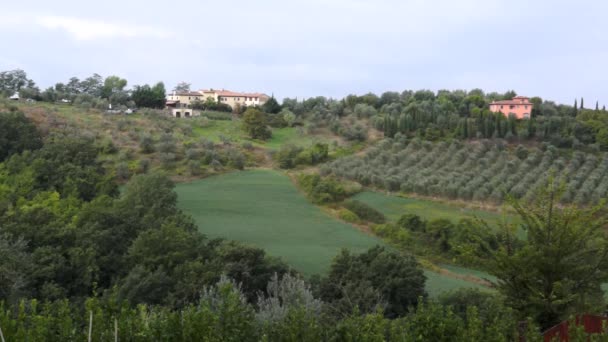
(214, 129)
(394, 206)
(264, 209)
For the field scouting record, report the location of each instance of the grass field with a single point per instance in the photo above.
(214, 129)
(394, 206)
(263, 208)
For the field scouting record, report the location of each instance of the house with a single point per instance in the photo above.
(234, 99)
(180, 103)
(591, 324)
(15, 97)
(519, 106)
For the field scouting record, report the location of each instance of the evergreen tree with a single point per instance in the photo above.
(582, 103)
(597, 106)
(561, 268)
(575, 106)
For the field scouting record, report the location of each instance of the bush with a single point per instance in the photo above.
(255, 124)
(364, 211)
(194, 167)
(348, 216)
(411, 222)
(146, 144)
(122, 171)
(322, 190)
(286, 156)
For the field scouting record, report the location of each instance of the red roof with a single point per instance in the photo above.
(187, 93)
(228, 93)
(517, 100)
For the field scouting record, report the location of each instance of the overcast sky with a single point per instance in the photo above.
(555, 49)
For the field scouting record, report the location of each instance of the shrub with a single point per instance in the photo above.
(364, 211)
(348, 216)
(144, 166)
(411, 222)
(322, 190)
(286, 156)
(256, 125)
(146, 144)
(122, 171)
(194, 167)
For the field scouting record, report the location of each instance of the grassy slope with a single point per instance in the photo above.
(264, 208)
(232, 130)
(394, 206)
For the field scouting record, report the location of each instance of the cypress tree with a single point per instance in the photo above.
(597, 106)
(604, 108)
(575, 106)
(582, 103)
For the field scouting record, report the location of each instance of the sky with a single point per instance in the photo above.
(554, 49)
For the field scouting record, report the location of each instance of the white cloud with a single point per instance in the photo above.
(83, 29)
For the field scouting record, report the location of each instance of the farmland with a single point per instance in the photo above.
(263, 208)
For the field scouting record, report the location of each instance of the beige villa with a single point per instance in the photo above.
(180, 103)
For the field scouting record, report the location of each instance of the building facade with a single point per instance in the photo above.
(178, 103)
(519, 106)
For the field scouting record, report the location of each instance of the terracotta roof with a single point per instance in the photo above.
(517, 100)
(187, 93)
(228, 93)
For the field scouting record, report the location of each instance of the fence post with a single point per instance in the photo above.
(91, 326)
(522, 327)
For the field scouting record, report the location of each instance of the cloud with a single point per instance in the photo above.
(83, 29)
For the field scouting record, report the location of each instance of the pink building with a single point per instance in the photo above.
(520, 106)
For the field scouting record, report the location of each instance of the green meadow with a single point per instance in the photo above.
(264, 209)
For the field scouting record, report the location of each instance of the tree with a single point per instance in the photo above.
(112, 85)
(13, 81)
(582, 103)
(255, 125)
(182, 87)
(288, 116)
(271, 106)
(149, 97)
(17, 134)
(376, 277)
(561, 268)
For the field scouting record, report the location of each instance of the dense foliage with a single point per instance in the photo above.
(288, 312)
(560, 270)
(290, 156)
(377, 279)
(66, 233)
(17, 134)
(255, 124)
(364, 211)
(483, 171)
(454, 114)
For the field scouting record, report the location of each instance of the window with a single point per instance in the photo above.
(501, 106)
(526, 106)
(511, 107)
